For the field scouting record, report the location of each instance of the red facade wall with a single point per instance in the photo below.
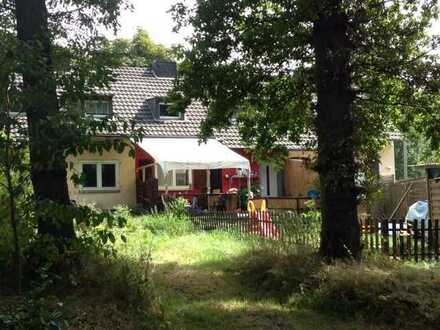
(228, 179)
(228, 175)
(141, 156)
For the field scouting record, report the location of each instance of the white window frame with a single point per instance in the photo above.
(99, 164)
(173, 180)
(143, 171)
(178, 116)
(99, 116)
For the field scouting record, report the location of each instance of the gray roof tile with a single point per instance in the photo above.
(133, 91)
(134, 87)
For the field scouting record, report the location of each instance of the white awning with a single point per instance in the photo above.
(188, 154)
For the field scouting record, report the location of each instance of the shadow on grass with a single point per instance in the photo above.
(210, 295)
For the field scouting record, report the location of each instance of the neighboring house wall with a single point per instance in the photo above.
(387, 166)
(299, 178)
(124, 194)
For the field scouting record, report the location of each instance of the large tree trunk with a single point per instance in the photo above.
(49, 177)
(336, 156)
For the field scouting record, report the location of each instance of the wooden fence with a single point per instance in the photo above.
(286, 203)
(392, 193)
(287, 226)
(418, 240)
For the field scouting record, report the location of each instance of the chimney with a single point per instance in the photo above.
(164, 69)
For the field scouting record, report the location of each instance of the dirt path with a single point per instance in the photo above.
(196, 280)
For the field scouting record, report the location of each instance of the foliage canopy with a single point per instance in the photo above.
(140, 51)
(255, 60)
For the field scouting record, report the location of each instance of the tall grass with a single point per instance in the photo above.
(377, 289)
(126, 279)
(299, 229)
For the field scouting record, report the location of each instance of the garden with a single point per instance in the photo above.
(161, 270)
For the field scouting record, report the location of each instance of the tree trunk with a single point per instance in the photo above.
(340, 237)
(48, 171)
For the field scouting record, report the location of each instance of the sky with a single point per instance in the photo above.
(152, 16)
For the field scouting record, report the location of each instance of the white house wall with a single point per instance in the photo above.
(387, 164)
(273, 181)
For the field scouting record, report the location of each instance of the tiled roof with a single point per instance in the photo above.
(132, 93)
(231, 138)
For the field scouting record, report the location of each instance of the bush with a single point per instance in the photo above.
(300, 229)
(174, 222)
(378, 290)
(26, 231)
(29, 313)
(397, 294)
(128, 284)
(167, 224)
(179, 208)
(271, 271)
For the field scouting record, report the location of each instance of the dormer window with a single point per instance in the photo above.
(166, 114)
(98, 108)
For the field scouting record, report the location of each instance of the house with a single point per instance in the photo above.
(170, 151)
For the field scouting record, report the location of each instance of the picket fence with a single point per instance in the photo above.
(399, 239)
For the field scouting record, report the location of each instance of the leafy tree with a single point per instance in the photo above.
(139, 51)
(346, 71)
(14, 171)
(418, 151)
(58, 59)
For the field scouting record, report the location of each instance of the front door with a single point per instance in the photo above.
(216, 180)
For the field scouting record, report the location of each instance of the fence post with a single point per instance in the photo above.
(436, 247)
(376, 233)
(422, 250)
(394, 238)
(385, 233)
(363, 227)
(408, 241)
(430, 252)
(416, 243)
(401, 240)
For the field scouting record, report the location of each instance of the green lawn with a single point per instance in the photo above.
(195, 276)
(167, 273)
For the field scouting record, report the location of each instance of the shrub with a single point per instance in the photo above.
(397, 294)
(128, 283)
(30, 313)
(168, 223)
(270, 270)
(179, 208)
(300, 229)
(377, 289)
(26, 234)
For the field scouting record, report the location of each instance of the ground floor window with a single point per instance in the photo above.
(99, 175)
(175, 179)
